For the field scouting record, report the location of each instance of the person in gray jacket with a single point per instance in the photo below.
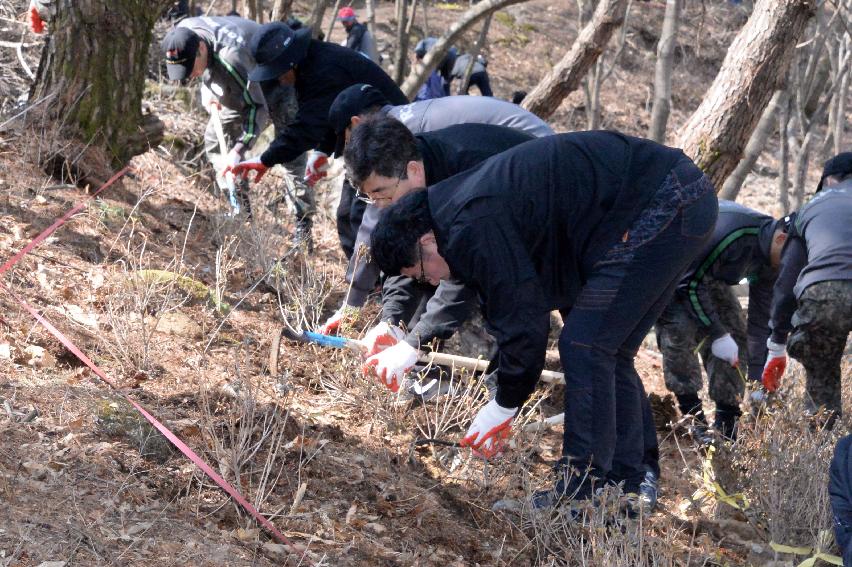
(478, 75)
(356, 103)
(216, 49)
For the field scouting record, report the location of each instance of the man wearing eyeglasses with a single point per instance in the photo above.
(356, 103)
(599, 225)
(384, 160)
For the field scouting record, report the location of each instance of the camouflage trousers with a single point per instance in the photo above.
(821, 325)
(680, 334)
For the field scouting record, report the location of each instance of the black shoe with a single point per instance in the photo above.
(571, 485)
(648, 491)
(701, 434)
(725, 422)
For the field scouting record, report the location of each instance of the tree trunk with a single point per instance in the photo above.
(474, 53)
(371, 17)
(317, 14)
(401, 57)
(281, 10)
(784, 155)
(765, 128)
(333, 20)
(754, 68)
(95, 63)
(663, 72)
(546, 97)
(432, 59)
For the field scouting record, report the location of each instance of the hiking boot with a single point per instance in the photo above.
(648, 491)
(725, 422)
(571, 485)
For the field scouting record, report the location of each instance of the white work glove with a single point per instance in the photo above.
(381, 337)
(234, 157)
(242, 168)
(392, 364)
(725, 347)
(316, 169)
(776, 364)
(346, 315)
(490, 429)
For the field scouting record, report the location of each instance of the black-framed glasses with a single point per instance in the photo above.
(422, 278)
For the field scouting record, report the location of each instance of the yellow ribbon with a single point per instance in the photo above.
(810, 561)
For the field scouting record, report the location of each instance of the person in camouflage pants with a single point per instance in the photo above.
(680, 336)
(821, 324)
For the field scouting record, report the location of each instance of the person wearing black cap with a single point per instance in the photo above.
(705, 316)
(356, 103)
(318, 71)
(599, 225)
(811, 315)
(217, 50)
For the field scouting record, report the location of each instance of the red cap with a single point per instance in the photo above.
(346, 13)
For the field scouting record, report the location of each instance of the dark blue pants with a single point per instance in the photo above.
(840, 494)
(605, 403)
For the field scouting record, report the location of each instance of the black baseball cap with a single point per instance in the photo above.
(180, 46)
(352, 101)
(277, 48)
(839, 165)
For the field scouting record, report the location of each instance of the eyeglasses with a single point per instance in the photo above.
(363, 197)
(422, 278)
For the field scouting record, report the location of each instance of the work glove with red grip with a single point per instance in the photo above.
(346, 315)
(36, 23)
(244, 167)
(392, 364)
(776, 364)
(316, 169)
(490, 430)
(381, 337)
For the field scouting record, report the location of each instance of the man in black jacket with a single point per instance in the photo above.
(318, 71)
(387, 161)
(705, 315)
(811, 314)
(596, 224)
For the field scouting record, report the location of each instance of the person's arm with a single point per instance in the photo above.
(362, 274)
(237, 64)
(400, 299)
(759, 303)
(793, 260)
(702, 306)
(499, 267)
(309, 129)
(446, 311)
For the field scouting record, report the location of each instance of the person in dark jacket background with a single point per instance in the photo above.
(705, 316)
(358, 37)
(811, 315)
(318, 71)
(585, 223)
(478, 77)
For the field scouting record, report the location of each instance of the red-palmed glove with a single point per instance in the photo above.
(244, 167)
(392, 364)
(316, 169)
(490, 430)
(346, 315)
(776, 364)
(36, 23)
(381, 337)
